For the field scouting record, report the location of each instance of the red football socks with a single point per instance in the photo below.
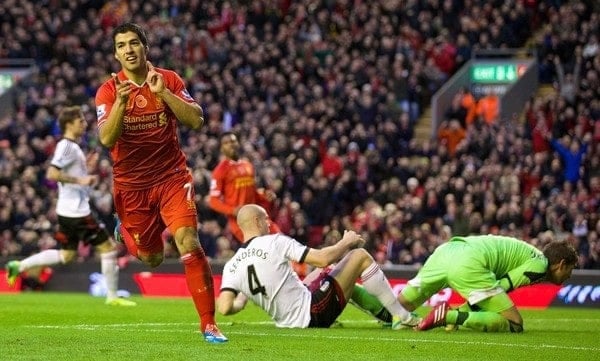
(200, 284)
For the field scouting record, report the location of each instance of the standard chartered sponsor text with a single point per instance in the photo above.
(143, 122)
(144, 126)
(140, 118)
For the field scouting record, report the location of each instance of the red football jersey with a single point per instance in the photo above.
(148, 151)
(232, 185)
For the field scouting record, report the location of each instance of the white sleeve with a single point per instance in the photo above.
(292, 249)
(63, 154)
(228, 279)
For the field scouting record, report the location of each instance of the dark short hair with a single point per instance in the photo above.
(127, 27)
(557, 251)
(67, 115)
(226, 134)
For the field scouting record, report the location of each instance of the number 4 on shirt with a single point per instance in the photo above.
(254, 283)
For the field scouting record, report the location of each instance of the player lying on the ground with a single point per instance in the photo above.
(482, 269)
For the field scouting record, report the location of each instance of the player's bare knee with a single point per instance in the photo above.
(107, 246)
(361, 255)
(186, 240)
(68, 256)
(358, 259)
(152, 260)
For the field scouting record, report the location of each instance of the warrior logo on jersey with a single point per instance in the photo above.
(101, 111)
(186, 95)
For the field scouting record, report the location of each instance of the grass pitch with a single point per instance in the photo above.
(68, 326)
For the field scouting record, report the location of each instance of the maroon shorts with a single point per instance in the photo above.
(327, 301)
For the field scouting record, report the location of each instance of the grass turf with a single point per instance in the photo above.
(68, 326)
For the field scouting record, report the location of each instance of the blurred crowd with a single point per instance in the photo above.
(324, 96)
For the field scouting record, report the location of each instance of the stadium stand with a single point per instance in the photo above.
(348, 79)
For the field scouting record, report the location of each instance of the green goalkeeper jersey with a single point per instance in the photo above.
(514, 262)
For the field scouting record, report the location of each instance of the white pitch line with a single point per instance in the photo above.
(260, 323)
(282, 333)
(421, 340)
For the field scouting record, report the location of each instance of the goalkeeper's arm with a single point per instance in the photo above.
(533, 271)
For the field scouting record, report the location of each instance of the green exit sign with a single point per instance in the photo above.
(12, 71)
(494, 73)
(6, 81)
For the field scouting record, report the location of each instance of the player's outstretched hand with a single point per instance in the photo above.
(123, 88)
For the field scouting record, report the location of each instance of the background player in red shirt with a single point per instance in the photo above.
(137, 111)
(233, 185)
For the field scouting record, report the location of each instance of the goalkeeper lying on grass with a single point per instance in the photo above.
(483, 269)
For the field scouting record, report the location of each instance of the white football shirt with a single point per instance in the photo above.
(261, 270)
(73, 199)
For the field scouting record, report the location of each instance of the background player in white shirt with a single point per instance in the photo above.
(76, 223)
(260, 270)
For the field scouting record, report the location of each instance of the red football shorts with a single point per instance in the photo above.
(145, 213)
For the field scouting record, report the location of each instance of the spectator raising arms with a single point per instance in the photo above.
(572, 157)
